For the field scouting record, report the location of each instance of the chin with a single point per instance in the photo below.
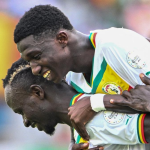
(50, 131)
(57, 81)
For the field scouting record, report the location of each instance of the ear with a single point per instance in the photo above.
(37, 91)
(62, 38)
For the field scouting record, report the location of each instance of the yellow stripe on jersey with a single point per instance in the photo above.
(140, 128)
(78, 138)
(108, 81)
(75, 98)
(92, 38)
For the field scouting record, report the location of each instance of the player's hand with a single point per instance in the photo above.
(145, 79)
(84, 146)
(137, 98)
(80, 113)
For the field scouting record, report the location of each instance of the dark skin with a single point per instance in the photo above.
(40, 105)
(80, 146)
(58, 55)
(54, 57)
(139, 94)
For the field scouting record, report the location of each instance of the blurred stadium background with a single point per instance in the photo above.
(85, 15)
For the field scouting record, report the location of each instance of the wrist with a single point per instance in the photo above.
(97, 103)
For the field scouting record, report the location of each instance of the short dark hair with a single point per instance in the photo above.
(40, 19)
(20, 74)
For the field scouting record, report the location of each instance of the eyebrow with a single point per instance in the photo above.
(22, 47)
(32, 52)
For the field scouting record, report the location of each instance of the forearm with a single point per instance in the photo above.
(117, 108)
(84, 106)
(102, 102)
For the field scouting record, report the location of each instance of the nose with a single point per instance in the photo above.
(36, 69)
(26, 122)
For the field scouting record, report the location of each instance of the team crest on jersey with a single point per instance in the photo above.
(113, 117)
(135, 61)
(111, 88)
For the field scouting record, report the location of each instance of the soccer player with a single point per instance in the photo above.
(44, 104)
(113, 59)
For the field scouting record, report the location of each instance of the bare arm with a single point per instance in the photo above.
(81, 146)
(137, 98)
(118, 108)
(135, 101)
(78, 112)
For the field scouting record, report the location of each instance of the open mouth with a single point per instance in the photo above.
(47, 74)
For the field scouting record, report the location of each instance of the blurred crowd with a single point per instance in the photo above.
(85, 15)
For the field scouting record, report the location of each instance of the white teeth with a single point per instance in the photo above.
(45, 75)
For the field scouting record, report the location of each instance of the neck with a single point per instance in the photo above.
(61, 97)
(82, 52)
(62, 111)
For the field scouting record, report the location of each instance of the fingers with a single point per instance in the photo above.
(126, 94)
(97, 148)
(80, 128)
(81, 146)
(145, 79)
(119, 100)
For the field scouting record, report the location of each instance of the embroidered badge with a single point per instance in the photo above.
(111, 88)
(113, 117)
(135, 61)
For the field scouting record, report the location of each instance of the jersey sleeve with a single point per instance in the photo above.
(127, 53)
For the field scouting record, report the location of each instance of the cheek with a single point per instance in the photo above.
(30, 112)
(47, 62)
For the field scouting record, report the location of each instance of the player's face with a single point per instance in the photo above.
(35, 113)
(46, 57)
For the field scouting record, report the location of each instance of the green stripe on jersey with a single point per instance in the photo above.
(99, 76)
(77, 88)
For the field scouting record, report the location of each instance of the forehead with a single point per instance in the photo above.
(25, 43)
(28, 46)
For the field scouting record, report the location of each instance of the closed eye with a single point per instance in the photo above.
(37, 57)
